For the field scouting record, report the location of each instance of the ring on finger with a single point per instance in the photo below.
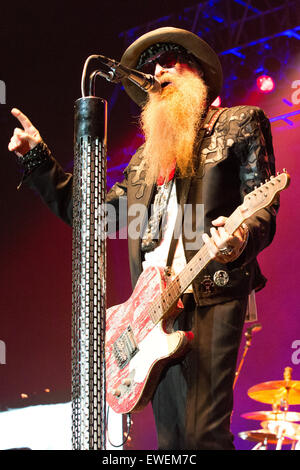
(227, 250)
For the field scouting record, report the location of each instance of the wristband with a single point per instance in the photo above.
(34, 158)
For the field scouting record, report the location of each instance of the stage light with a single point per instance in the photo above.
(265, 83)
(217, 102)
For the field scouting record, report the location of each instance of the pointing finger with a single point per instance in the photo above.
(22, 119)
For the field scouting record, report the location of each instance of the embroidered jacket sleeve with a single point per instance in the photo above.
(257, 163)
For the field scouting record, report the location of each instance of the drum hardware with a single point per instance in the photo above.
(275, 391)
(284, 431)
(261, 445)
(278, 415)
(265, 437)
(278, 425)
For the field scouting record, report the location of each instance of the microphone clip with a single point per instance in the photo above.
(116, 72)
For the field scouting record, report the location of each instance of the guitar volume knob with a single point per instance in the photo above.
(126, 382)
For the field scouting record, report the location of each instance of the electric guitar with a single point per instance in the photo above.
(140, 339)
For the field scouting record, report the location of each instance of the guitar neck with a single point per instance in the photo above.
(181, 281)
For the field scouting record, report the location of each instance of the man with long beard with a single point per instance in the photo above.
(194, 155)
(173, 117)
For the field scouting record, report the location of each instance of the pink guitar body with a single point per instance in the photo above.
(137, 348)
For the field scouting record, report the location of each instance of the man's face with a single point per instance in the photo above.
(167, 66)
(167, 75)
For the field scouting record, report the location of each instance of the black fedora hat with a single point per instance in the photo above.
(194, 45)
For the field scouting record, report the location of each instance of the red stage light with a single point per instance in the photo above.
(265, 83)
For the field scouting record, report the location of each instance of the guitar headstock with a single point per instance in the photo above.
(264, 195)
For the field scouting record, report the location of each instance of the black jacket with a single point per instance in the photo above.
(238, 156)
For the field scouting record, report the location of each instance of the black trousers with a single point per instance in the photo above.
(193, 402)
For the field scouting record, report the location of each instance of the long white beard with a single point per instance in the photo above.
(170, 121)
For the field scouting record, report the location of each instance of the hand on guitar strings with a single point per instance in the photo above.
(222, 246)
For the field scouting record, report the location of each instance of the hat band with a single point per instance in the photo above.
(156, 49)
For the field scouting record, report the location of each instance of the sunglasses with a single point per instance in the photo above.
(166, 60)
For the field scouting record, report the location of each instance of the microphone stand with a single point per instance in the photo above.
(89, 254)
(89, 272)
(248, 334)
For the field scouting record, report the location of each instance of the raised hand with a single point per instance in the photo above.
(24, 139)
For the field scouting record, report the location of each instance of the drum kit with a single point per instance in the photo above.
(278, 426)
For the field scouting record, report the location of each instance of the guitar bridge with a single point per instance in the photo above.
(125, 347)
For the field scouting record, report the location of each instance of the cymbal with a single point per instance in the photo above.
(290, 430)
(262, 435)
(289, 416)
(275, 391)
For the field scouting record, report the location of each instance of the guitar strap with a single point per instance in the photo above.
(206, 130)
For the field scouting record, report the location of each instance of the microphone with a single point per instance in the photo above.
(255, 328)
(118, 72)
